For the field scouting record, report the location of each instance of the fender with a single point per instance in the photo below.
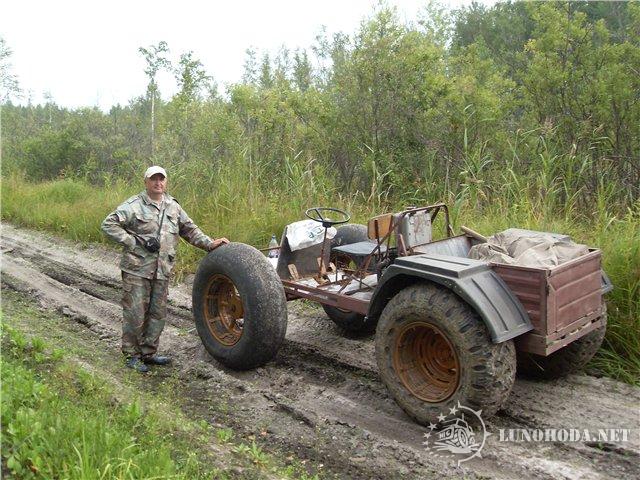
(472, 280)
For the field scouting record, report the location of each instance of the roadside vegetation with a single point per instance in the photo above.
(63, 420)
(520, 114)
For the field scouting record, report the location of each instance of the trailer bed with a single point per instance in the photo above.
(563, 302)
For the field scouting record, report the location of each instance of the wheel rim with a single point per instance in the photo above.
(426, 362)
(223, 310)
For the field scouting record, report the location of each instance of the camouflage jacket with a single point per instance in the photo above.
(140, 217)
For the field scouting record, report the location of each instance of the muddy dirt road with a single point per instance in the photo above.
(321, 398)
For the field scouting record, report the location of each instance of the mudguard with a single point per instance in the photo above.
(473, 280)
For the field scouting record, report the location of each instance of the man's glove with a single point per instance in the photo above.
(151, 244)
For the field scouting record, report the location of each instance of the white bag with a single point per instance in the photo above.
(306, 233)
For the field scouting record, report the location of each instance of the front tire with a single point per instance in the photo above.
(239, 306)
(433, 351)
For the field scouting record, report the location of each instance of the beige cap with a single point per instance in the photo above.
(151, 171)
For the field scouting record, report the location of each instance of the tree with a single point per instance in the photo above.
(282, 67)
(192, 80)
(8, 82)
(503, 29)
(301, 70)
(266, 75)
(155, 56)
(250, 67)
(386, 90)
(191, 77)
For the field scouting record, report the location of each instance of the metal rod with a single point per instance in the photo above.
(474, 234)
(324, 240)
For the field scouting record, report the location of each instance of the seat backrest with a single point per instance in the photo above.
(384, 224)
(305, 259)
(415, 228)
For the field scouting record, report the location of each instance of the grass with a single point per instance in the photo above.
(242, 209)
(61, 420)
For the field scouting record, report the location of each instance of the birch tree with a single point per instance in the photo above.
(155, 56)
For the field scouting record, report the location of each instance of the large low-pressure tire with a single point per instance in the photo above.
(351, 322)
(239, 306)
(348, 234)
(433, 351)
(569, 359)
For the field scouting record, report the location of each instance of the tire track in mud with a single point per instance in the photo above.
(321, 395)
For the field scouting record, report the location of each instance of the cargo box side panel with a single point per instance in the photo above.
(529, 286)
(575, 290)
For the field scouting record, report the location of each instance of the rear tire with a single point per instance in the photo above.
(567, 360)
(461, 364)
(348, 321)
(239, 306)
(349, 233)
(346, 235)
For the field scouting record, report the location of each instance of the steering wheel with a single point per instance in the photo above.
(320, 214)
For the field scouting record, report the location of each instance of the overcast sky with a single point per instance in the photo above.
(85, 53)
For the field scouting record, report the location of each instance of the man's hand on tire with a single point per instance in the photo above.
(217, 242)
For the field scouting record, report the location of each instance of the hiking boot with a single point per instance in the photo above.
(157, 360)
(136, 364)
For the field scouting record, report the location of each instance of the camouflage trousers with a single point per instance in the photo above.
(144, 308)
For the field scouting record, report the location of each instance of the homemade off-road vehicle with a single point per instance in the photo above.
(448, 328)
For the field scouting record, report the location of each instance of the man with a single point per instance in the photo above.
(148, 225)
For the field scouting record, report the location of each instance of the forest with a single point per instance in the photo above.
(516, 114)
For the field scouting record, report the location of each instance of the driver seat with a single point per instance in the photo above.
(377, 228)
